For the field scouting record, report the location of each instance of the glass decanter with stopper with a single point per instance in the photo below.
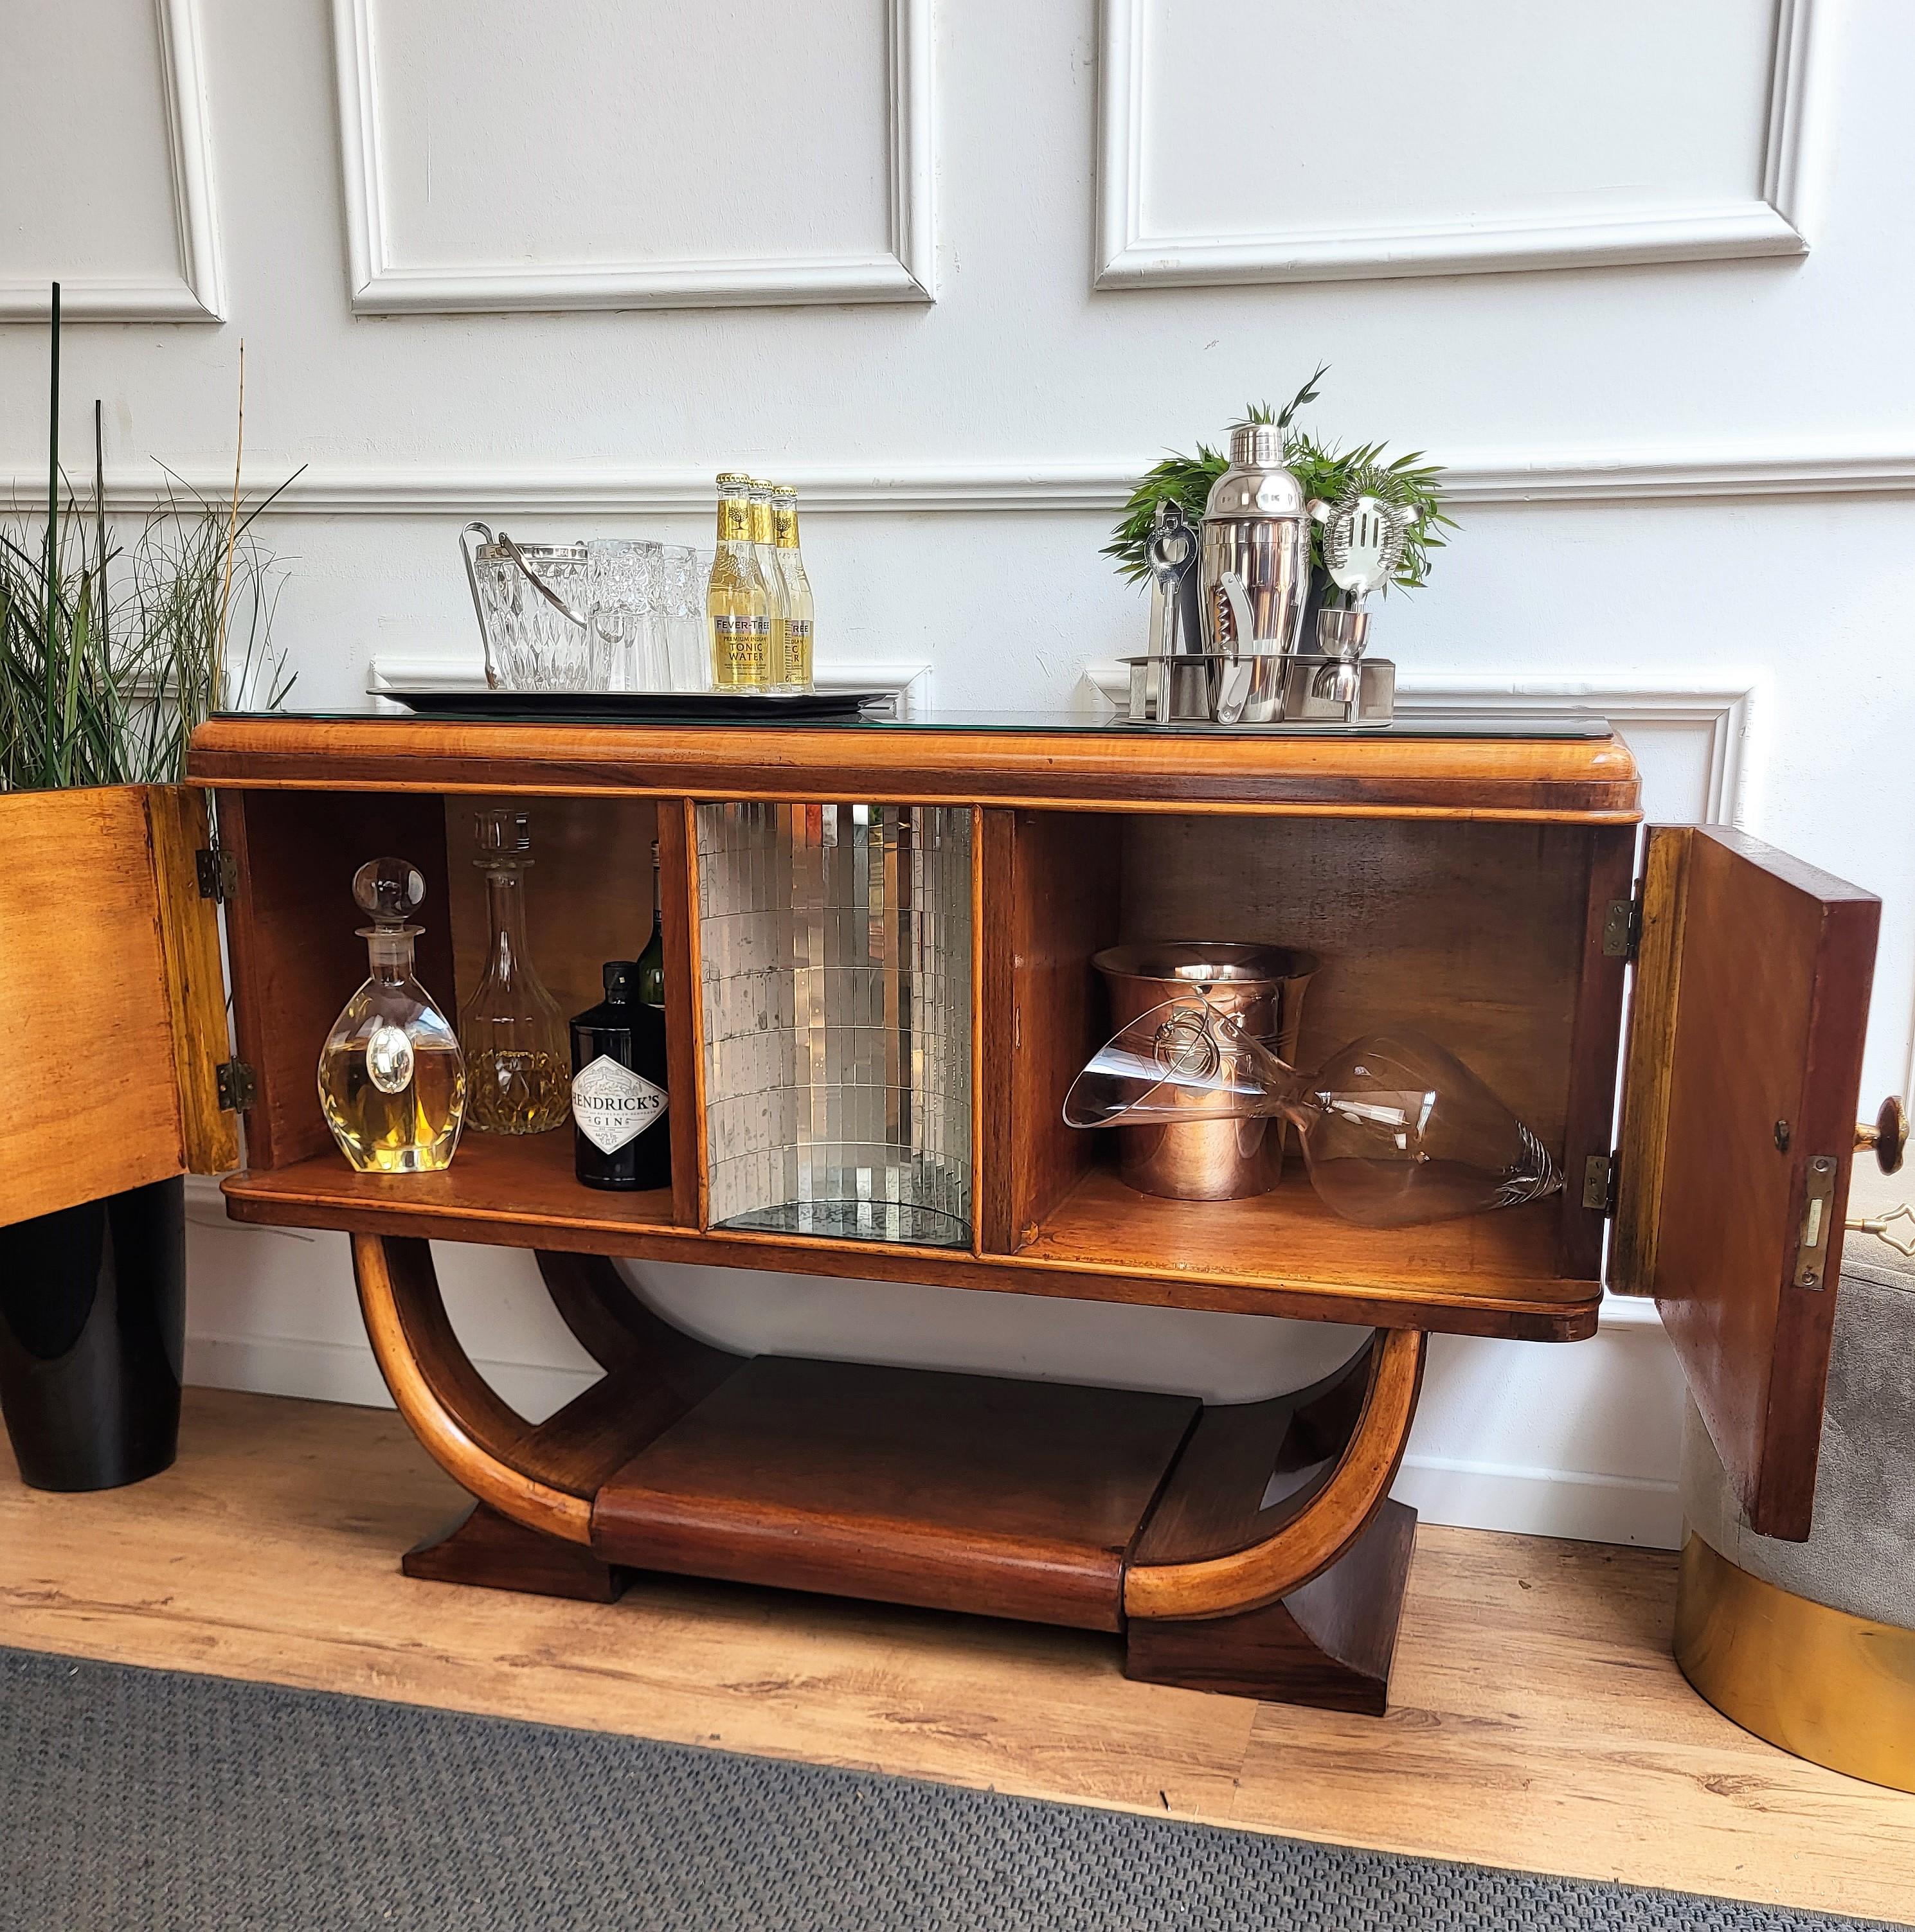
(1395, 1129)
(518, 1074)
(391, 1078)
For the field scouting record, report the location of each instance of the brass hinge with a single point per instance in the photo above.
(1811, 1250)
(238, 1087)
(1600, 1172)
(1622, 930)
(218, 872)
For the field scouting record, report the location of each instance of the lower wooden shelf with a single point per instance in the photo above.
(1282, 1253)
(951, 1492)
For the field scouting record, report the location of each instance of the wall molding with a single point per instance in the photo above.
(1724, 708)
(1099, 484)
(907, 273)
(197, 293)
(1127, 257)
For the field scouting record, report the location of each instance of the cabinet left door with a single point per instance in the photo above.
(112, 1016)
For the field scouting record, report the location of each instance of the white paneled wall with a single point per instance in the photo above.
(105, 154)
(1399, 139)
(612, 157)
(1640, 274)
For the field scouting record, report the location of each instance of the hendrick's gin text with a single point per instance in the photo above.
(620, 1136)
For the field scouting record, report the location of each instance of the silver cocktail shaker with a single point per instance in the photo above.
(1256, 555)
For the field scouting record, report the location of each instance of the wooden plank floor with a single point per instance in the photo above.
(1539, 1722)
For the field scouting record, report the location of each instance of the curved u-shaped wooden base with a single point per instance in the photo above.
(469, 1432)
(543, 1476)
(1319, 1527)
(1268, 1562)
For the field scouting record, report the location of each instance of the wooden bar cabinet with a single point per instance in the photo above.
(1475, 883)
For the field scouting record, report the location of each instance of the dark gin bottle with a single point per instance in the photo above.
(620, 1137)
(650, 987)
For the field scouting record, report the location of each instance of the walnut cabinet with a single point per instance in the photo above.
(1484, 888)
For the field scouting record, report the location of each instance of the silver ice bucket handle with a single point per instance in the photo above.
(504, 543)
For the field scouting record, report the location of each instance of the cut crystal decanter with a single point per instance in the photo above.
(518, 1070)
(391, 1078)
(1395, 1129)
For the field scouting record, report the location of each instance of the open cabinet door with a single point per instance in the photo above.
(112, 1029)
(1743, 1070)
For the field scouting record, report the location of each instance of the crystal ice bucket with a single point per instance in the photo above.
(532, 600)
(835, 968)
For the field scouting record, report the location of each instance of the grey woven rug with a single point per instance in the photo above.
(156, 1800)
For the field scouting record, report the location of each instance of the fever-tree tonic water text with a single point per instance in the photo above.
(737, 600)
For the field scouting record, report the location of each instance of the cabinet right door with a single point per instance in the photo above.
(1740, 1100)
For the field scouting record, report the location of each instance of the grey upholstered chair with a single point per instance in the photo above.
(1812, 1645)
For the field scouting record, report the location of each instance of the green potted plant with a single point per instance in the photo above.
(109, 655)
(1324, 470)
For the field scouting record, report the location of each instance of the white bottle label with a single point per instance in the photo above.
(389, 1059)
(613, 1105)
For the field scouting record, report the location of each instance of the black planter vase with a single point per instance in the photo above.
(93, 1332)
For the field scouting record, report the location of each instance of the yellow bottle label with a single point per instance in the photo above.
(784, 524)
(734, 520)
(741, 650)
(760, 511)
(796, 653)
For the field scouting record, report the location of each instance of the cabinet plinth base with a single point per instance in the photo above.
(492, 1552)
(1249, 1549)
(1328, 1644)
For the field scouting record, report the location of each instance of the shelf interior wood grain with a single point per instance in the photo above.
(1289, 1237)
(514, 1181)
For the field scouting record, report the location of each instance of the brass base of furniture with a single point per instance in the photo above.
(1836, 1689)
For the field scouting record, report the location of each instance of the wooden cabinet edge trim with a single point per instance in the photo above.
(177, 829)
(1507, 1318)
(981, 1006)
(1654, 1003)
(1601, 810)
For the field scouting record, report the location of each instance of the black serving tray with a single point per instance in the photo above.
(640, 707)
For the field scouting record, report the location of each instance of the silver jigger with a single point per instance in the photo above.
(1342, 635)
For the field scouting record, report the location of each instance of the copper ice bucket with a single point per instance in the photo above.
(1260, 987)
